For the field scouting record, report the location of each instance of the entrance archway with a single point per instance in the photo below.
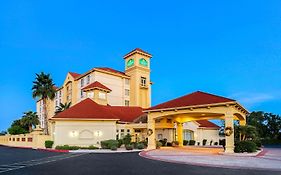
(197, 106)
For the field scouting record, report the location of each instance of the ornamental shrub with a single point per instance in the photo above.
(129, 147)
(216, 143)
(49, 143)
(158, 144)
(185, 142)
(127, 139)
(204, 142)
(245, 146)
(107, 144)
(169, 144)
(67, 147)
(192, 142)
(113, 148)
(120, 143)
(140, 146)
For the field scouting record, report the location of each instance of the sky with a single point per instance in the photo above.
(229, 48)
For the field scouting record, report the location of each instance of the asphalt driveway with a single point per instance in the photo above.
(107, 164)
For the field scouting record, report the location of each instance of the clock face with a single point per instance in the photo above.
(143, 62)
(130, 63)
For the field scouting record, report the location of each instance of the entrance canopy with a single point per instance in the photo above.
(197, 106)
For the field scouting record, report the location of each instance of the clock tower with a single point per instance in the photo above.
(137, 66)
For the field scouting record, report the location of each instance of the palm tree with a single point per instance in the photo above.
(43, 88)
(63, 107)
(30, 119)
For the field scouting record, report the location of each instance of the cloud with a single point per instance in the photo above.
(253, 99)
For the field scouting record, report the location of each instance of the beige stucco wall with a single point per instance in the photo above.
(83, 133)
(31, 140)
(209, 134)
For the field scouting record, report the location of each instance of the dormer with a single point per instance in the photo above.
(97, 92)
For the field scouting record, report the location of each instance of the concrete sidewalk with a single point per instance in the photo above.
(269, 159)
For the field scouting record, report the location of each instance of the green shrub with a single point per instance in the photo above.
(169, 144)
(129, 147)
(144, 143)
(134, 144)
(67, 147)
(185, 142)
(92, 147)
(204, 142)
(158, 144)
(113, 148)
(258, 143)
(163, 142)
(245, 146)
(127, 139)
(49, 144)
(140, 146)
(107, 144)
(192, 142)
(216, 143)
(120, 143)
(175, 143)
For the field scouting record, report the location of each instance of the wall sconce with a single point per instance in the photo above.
(98, 133)
(73, 133)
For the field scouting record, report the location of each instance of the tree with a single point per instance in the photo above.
(30, 119)
(43, 88)
(3, 133)
(246, 132)
(14, 130)
(258, 120)
(63, 107)
(273, 123)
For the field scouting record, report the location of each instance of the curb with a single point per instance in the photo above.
(53, 150)
(145, 154)
(103, 151)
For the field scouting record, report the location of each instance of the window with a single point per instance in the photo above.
(90, 95)
(18, 139)
(102, 95)
(88, 79)
(127, 92)
(143, 81)
(127, 103)
(23, 139)
(59, 93)
(160, 136)
(81, 94)
(127, 81)
(128, 130)
(29, 139)
(82, 82)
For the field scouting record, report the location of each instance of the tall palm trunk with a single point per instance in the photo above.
(30, 128)
(46, 128)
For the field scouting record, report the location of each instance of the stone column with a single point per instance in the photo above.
(151, 132)
(180, 133)
(229, 140)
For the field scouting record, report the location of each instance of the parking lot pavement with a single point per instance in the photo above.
(125, 164)
(9, 155)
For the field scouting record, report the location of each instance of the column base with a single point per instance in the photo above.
(151, 147)
(229, 150)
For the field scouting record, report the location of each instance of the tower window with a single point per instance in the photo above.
(82, 82)
(143, 81)
(127, 103)
(88, 79)
(102, 95)
(127, 81)
(127, 92)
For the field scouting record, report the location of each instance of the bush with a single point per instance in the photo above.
(67, 147)
(211, 142)
(144, 143)
(158, 144)
(175, 143)
(198, 143)
(129, 147)
(107, 144)
(245, 146)
(49, 143)
(113, 148)
(140, 146)
(222, 142)
(258, 143)
(127, 139)
(120, 143)
(185, 142)
(169, 144)
(192, 142)
(163, 142)
(204, 142)
(92, 147)
(134, 144)
(216, 143)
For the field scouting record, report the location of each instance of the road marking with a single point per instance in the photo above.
(29, 163)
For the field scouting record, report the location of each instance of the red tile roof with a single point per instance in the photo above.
(88, 109)
(97, 85)
(137, 50)
(74, 75)
(111, 70)
(207, 124)
(195, 98)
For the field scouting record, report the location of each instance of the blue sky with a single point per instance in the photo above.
(230, 48)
